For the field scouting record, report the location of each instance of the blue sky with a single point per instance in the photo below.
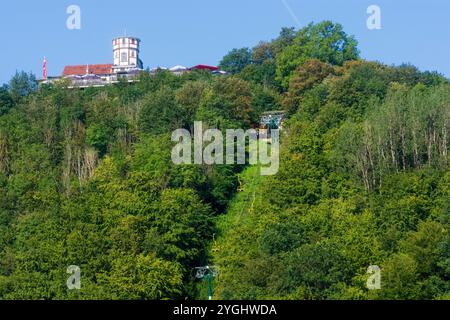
(202, 31)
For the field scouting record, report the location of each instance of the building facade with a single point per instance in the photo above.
(126, 54)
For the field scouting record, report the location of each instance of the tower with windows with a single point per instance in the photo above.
(126, 54)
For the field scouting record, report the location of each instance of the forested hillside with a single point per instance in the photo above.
(86, 179)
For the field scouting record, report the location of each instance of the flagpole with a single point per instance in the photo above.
(44, 71)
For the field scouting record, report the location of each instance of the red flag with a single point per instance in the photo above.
(45, 69)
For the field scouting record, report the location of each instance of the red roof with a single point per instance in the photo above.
(205, 67)
(87, 69)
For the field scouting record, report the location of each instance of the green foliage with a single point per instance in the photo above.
(311, 73)
(158, 112)
(261, 74)
(236, 60)
(6, 101)
(325, 41)
(314, 269)
(143, 278)
(361, 183)
(188, 99)
(21, 85)
(227, 104)
(86, 179)
(97, 136)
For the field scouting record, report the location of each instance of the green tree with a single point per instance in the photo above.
(6, 101)
(325, 41)
(21, 85)
(236, 60)
(158, 112)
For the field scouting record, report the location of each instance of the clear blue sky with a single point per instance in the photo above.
(191, 32)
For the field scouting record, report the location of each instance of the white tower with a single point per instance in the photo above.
(126, 54)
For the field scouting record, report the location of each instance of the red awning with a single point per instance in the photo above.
(204, 67)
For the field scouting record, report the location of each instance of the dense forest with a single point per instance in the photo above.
(86, 179)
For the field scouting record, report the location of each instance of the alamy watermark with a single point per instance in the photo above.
(263, 147)
(73, 22)
(374, 20)
(374, 281)
(74, 281)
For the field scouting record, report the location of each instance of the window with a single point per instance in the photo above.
(123, 41)
(124, 57)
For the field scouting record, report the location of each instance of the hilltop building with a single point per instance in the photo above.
(126, 65)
